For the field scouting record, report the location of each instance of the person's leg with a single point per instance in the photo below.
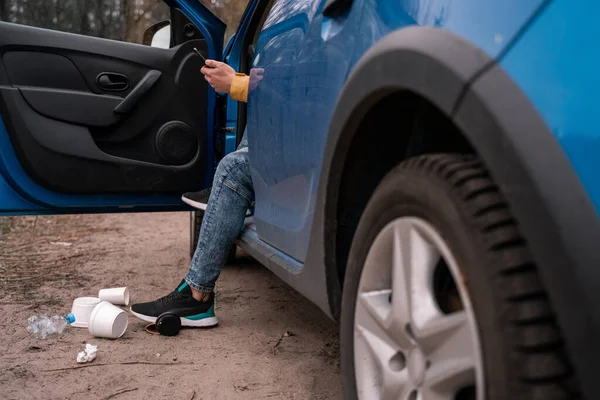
(230, 197)
(223, 220)
(199, 199)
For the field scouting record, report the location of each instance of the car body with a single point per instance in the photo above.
(345, 87)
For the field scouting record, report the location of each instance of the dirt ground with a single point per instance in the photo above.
(45, 262)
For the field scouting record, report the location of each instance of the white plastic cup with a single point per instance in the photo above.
(118, 296)
(108, 321)
(82, 309)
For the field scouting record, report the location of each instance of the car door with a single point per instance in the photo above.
(307, 58)
(92, 124)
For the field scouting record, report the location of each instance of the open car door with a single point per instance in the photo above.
(97, 125)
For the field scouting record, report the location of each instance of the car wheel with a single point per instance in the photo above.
(195, 225)
(442, 299)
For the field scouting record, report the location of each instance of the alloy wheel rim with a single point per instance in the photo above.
(405, 346)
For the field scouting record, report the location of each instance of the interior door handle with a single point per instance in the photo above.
(112, 81)
(138, 92)
(335, 8)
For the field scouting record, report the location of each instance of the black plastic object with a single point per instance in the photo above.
(176, 143)
(93, 150)
(183, 29)
(200, 54)
(113, 81)
(81, 108)
(143, 86)
(168, 324)
(23, 69)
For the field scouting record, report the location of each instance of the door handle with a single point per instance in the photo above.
(336, 8)
(112, 81)
(138, 92)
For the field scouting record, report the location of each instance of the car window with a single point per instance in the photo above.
(262, 21)
(123, 20)
(229, 11)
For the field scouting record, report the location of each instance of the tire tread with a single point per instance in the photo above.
(536, 336)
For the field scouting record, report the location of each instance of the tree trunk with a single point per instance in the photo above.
(5, 10)
(130, 21)
(84, 22)
(101, 24)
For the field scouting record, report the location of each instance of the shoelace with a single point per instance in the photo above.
(168, 299)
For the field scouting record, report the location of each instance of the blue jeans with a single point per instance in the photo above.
(231, 196)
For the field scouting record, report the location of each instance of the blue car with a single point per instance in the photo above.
(425, 171)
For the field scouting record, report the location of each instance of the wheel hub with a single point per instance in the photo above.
(417, 364)
(405, 346)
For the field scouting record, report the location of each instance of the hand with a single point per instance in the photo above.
(219, 75)
(255, 77)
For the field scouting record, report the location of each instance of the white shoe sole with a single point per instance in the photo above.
(201, 323)
(195, 204)
(202, 206)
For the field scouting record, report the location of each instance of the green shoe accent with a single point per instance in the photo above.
(183, 286)
(210, 313)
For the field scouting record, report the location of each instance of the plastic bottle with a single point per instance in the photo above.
(41, 326)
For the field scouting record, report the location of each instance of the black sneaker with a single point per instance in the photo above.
(179, 302)
(197, 200)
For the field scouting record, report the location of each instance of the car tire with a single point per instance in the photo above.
(448, 204)
(195, 225)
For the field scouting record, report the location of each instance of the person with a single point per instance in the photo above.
(199, 199)
(229, 199)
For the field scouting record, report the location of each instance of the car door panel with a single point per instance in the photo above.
(22, 68)
(63, 125)
(81, 108)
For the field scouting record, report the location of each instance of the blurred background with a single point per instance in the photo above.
(123, 20)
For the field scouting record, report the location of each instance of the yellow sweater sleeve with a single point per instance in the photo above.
(239, 87)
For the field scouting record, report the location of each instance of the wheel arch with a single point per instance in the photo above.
(458, 88)
(419, 69)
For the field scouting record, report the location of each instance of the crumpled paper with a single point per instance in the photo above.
(88, 354)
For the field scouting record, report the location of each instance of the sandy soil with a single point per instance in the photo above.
(46, 262)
